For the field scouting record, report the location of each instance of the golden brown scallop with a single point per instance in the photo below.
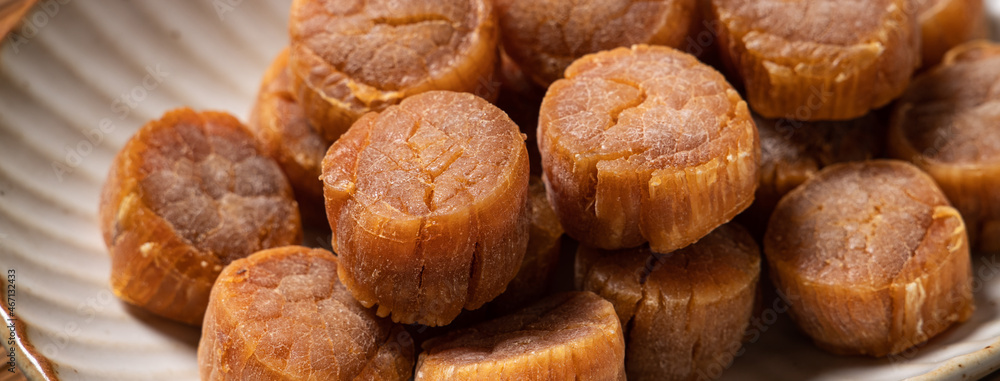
(427, 203)
(646, 144)
(533, 277)
(545, 36)
(682, 311)
(567, 336)
(285, 134)
(945, 24)
(351, 57)
(793, 151)
(281, 314)
(188, 194)
(541, 257)
(947, 125)
(818, 59)
(871, 258)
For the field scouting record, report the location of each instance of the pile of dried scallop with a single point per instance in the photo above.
(402, 127)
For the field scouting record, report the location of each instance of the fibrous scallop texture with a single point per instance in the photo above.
(793, 151)
(567, 336)
(945, 24)
(536, 273)
(946, 124)
(427, 203)
(683, 311)
(871, 258)
(281, 314)
(545, 36)
(351, 57)
(188, 194)
(541, 257)
(818, 60)
(646, 144)
(285, 134)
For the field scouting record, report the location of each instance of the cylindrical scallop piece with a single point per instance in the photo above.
(567, 336)
(541, 257)
(349, 58)
(793, 151)
(945, 24)
(646, 144)
(281, 314)
(545, 36)
(947, 125)
(188, 194)
(682, 311)
(534, 275)
(285, 134)
(818, 59)
(427, 203)
(871, 258)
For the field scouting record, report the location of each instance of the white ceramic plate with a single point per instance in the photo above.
(84, 75)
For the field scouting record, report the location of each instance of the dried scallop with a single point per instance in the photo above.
(285, 134)
(946, 124)
(945, 24)
(818, 59)
(348, 58)
(188, 194)
(646, 144)
(871, 258)
(281, 314)
(682, 311)
(568, 336)
(545, 36)
(427, 203)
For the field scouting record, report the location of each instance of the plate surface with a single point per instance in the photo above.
(81, 76)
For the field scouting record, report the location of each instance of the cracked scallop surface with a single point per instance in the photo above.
(800, 59)
(427, 201)
(188, 194)
(567, 336)
(946, 124)
(682, 311)
(285, 134)
(646, 144)
(871, 258)
(545, 36)
(793, 151)
(945, 24)
(282, 314)
(351, 57)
